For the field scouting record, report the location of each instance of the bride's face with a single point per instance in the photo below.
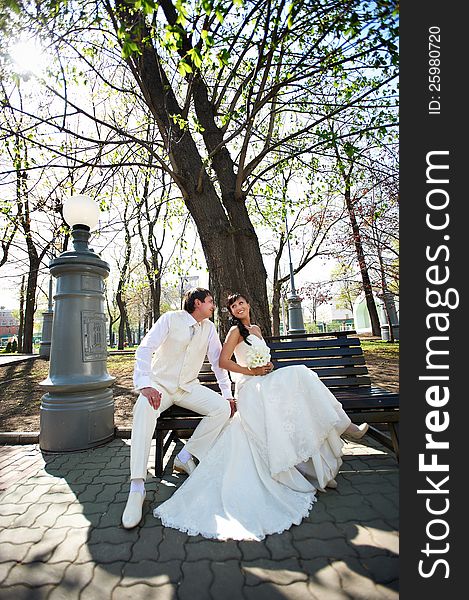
(240, 308)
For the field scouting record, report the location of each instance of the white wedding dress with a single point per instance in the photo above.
(247, 485)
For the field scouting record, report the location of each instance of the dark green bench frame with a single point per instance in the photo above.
(338, 360)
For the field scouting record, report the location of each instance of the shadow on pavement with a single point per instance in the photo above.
(74, 543)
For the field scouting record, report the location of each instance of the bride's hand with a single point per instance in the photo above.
(264, 370)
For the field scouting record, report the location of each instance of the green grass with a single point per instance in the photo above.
(380, 348)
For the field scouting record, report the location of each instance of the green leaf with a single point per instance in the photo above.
(184, 67)
(207, 38)
(223, 57)
(207, 5)
(196, 57)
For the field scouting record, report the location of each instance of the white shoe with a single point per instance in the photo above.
(355, 436)
(187, 467)
(332, 484)
(132, 514)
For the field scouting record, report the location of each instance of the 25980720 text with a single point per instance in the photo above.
(434, 70)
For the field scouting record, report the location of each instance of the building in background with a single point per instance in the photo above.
(330, 318)
(9, 326)
(362, 318)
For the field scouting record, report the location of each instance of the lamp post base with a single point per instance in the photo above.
(44, 347)
(295, 315)
(76, 420)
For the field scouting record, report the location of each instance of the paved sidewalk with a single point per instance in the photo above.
(61, 538)
(15, 358)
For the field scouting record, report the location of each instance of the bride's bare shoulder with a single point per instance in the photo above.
(233, 333)
(256, 329)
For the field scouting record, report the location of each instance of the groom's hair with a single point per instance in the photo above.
(195, 294)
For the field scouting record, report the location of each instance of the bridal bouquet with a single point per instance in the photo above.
(258, 357)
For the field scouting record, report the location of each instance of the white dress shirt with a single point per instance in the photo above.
(157, 335)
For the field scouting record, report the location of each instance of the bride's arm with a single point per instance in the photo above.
(232, 340)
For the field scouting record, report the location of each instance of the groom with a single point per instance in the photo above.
(167, 363)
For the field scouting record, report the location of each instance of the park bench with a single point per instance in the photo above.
(338, 360)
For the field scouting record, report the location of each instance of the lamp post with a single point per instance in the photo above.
(295, 312)
(77, 412)
(47, 316)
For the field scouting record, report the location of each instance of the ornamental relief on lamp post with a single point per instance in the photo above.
(93, 329)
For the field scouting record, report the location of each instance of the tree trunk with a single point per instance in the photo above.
(30, 307)
(276, 299)
(370, 301)
(228, 238)
(21, 325)
(123, 317)
(130, 337)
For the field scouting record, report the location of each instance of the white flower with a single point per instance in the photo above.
(257, 356)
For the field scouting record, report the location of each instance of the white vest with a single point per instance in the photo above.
(177, 362)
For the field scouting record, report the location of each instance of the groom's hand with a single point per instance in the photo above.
(153, 396)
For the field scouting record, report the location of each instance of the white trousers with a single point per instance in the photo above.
(201, 400)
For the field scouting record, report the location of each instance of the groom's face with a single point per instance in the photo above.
(206, 307)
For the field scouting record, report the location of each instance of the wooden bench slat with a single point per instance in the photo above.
(326, 352)
(326, 369)
(303, 344)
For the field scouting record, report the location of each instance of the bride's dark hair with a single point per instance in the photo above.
(243, 330)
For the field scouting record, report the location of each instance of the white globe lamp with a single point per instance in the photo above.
(81, 212)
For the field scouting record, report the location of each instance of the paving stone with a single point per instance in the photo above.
(390, 591)
(75, 579)
(359, 537)
(11, 509)
(280, 546)
(228, 580)
(112, 514)
(319, 513)
(105, 552)
(212, 550)
(172, 546)
(253, 550)
(152, 572)
(383, 568)
(321, 531)
(112, 535)
(344, 487)
(383, 505)
(144, 591)
(363, 514)
(111, 491)
(94, 510)
(35, 574)
(148, 543)
(105, 579)
(348, 501)
(323, 580)
(24, 592)
(356, 580)
(281, 572)
(149, 521)
(28, 517)
(382, 536)
(331, 548)
(271, 591)
(197, 579)
(68, 550)
(76, 521)
(89, 494)
(5, 569)
(51, 513)
(21, 535)
(13, 552)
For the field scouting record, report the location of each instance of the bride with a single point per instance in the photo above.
(283, 443)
